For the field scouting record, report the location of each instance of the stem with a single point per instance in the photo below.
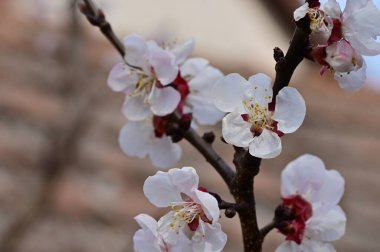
(247, 166)
(211, 156)
(241, 187)
(266, 229)
(285, 66)
(96, 17)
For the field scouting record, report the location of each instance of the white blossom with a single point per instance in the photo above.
(313, 194)
(194, 212)
(148, 238)
(138, 139)
(201, 78)
(146, 75)
(254, 120)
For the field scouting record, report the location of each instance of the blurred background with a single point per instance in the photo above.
(65, 186)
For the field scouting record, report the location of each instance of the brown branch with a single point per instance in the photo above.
(285, 66)
(97, 18)
(211, 156)
(266, 229)
(247, 166)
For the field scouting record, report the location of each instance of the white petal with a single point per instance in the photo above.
(332, 190)
(164, 100)
(209, 205)
(205, 80)
(267, 145)
(304, 176)
(228, 93)
(301, 12)
(332, 9)
(352, 81)
(163, 63)
(134, 138)
(362, 16)
(185, 179)
(193, 66)
(170, 229)
(136, 51)
(147, 223)
(204, 110)
(213, 239)
(290, 110)
(145, 242)
(160, 190)
(306, 246)
(236, 131)
(182, 51)
(326, 224)
(121, 78)
(289, 246)
(183, 244)
(164, 153)
(135, 109)
(261, 89)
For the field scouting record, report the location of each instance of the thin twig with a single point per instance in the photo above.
(266, 229)
(97, 18)
(211, 156)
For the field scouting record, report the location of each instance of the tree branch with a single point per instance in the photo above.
(266, 229)
(211, 156)
(285, 66)
(97, 18)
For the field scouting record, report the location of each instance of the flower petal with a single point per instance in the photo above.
(145, 242)
(204, 110)
(228, 93)
(182, 51)
(267, 145)
(236, 131)
(209, 205)
(164, 153)
(261, 89)
(301, 12)
(307, 245)
(193, 66)
(163, 63)
(204, 82)
(332, 190)
(290, 110)
(121, 78)
(136, 51)
(326, 224)
(164, 100)
(134, 138)
(185, 179)
(332, 9)
(352, 81)
(147, 223)
(160, 190)
(212, 240)
(304, 176)
(135, 109)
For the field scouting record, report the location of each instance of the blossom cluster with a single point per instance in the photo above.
(191, 225)
(343, 38)
(309, 215)
(166, 93)
(158, 81)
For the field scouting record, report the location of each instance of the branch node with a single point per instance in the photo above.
(278, 54)
(209, 137)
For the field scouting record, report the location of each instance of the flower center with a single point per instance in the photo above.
(187, 212)
(260, 117)
(144, 87)
(295, 211)
(317, 20)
